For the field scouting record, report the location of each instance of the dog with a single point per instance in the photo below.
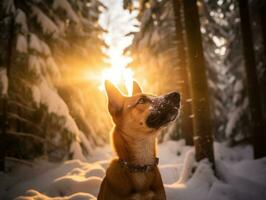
(134, 175)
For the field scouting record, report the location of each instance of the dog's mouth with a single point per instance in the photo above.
(164, 110)
(158, 119)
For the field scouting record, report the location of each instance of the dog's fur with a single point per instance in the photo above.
(137, 120)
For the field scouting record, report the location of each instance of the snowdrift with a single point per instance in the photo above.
(239, 177)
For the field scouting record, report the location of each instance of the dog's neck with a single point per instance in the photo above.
(135, 150)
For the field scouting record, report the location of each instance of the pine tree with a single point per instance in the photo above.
(50, 37)
(226, 76)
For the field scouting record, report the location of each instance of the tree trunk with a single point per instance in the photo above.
(256, 117)
(3, 133)
(203, 138)
(186, 120)
(7, 63)
(263, 26)
(263, 82)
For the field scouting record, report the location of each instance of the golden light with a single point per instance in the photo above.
(120, 76)
(118, 73)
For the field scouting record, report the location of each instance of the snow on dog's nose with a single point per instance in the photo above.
(164, 110)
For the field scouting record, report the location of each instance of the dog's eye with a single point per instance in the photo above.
(142, 100)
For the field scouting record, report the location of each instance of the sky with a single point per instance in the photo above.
(118, 22)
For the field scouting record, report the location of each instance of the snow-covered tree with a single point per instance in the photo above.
(54, 43)
(223, 53)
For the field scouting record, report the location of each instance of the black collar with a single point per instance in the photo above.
(139, 168)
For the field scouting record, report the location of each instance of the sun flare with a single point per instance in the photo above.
(117, 72)
(121, 77)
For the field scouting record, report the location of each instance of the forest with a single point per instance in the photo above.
(56, 57)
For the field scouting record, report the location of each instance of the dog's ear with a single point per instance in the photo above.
(115, 98)
(136, 88)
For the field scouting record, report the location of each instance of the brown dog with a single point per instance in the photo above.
(134, 175)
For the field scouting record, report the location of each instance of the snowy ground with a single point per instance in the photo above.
(240, 177)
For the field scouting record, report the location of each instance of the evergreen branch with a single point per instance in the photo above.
(27, 135)
(21, 105)
(24, 162)
(15, 116)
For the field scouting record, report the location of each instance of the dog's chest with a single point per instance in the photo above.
(142, 181)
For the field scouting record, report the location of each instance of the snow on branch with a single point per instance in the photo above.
(64, 5)
(21, 20)
(46, 95)
(53, 67)
(47, 25)
(3, 82)
(22, 44)
(35, 43)
(45, 49)
(9, 6)
(35, 64)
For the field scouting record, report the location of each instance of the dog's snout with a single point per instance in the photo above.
(174, 96)
(165, 109)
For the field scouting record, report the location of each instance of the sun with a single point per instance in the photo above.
(120, 75)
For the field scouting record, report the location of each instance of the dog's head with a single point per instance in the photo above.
(141, 113)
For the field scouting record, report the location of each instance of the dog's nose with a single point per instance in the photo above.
(174, 96)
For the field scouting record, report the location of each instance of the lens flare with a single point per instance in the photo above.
(120, 76)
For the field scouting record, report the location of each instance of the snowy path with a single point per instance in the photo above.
(240, 177)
